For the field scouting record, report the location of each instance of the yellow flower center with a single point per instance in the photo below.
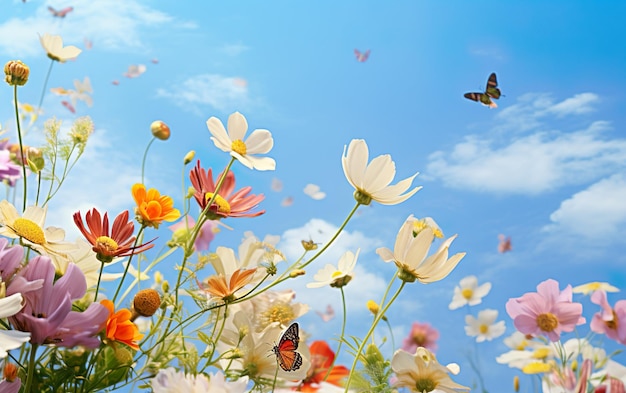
(425, 385)
(547, 322)
(222, 204)
(279, 312)
(541, 353)
(419, 339)
(537, 368)
(238, 146)
(30, 231)
(105, 243)
(483, 329)
(336, 274)
(467, 293)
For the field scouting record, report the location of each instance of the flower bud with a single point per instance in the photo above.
(16, 73)
(10, 371)
(160, 130)
(297, 272)
(35, 159)
(146, 302)
(516, 383)
(189, 157)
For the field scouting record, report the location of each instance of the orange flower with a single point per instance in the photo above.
(119, 327)
(322, 358)
(219, 287)
(152, 207)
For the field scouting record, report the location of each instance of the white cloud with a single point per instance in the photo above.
(110, 24)
(223, 93)
(577, 105)
(233, 49)
(598, 212)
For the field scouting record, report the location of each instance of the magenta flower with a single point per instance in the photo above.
(609, 321)
(204, 238)
(421, 335)
(10, 260)
(9, 171)
(547, 312)
(47, 312)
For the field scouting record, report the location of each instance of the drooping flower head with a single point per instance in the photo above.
(109, 243)
(372, 181)
(119, 327)
(152, 207)
(421, 372)
(421, 335)
(245, 151)
(227, 202)
(468, 292)
(547, 312)
(53, 45)
(322, 358)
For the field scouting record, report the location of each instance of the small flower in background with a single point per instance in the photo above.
(372, 181)
(10, 172)
(228, 202)
(336, 277)
(421, 335)
(421, 372)
(427, 222)
(152, 207)
(322, 358)
(547, 312)
(30, 227)
(469, 293)
(16, 73)
(591, 287)
(182, 229)
(245, 151)
(10, 261)
(485, 326)
(273, 308)
(609, 321)
(119, 327)
(53, 45)
(160, 130)
(170, 380)
(10, 383)
(224, 288)
(85, 258)
(409, 255)
(11, 339)
(28, 111)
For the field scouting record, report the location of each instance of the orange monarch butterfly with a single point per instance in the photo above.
(491, 91)
(285, 351)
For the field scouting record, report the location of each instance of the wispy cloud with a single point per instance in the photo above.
(221, 92)
(234, 49)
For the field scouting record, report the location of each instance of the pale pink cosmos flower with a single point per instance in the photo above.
(609, 321)
(547, 312)
(207, 232)
(421, 335)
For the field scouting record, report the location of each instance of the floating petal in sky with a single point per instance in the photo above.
(69, 106)
(505, 243)
(313, 190)
(361, 57)
(240, 82)
(115, 82)
(135, 70)
(277, 185)
(288, 201)
(88, 43)
(154, 61)
(328, 314)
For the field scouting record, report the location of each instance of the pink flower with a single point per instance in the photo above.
(204, 238)
(547, 312)
(609, 321)
(421, 335)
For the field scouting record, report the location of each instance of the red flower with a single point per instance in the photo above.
(322, 357)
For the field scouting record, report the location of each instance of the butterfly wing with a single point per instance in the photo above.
(366, 55)
(53, 11)
(492, 87)
(285, 351)
(482, 98)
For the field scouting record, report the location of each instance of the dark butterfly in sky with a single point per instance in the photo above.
(60, 13)
(361, 56)
(491, 91)
(505, 244)
(285, 351)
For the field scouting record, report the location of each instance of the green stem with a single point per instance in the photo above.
(95, 297)
(145, 154)
(31, 368)
(19, 137)
(43, 91)
(343, 330)
(130, 259)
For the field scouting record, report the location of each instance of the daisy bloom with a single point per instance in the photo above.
(522, 358)
(119, 327)
(171, 381)
(611, 320)
(227, 202)
(53, 45)
(409, 255)
(591, 287)
(30, 227)
(152, 207)
(421, 335)
(272, 308)
(469, 293)
(109, 242)
(339, 276)
(322, 358)
(421, 372)
(485, 326)
(259, 142)
(372, 181)
(547, 312)
(11, 339)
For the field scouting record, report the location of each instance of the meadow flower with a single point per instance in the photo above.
(228, 202)
(47, 312)
(109, 243)
(339, 276)
(152, 207)
(10, 383)
(10, 260)
(421, 372)
(522, 358)
(468, 292)
(30, 227)
(28, 111)
(225, 288)
(409, 255)
(10, 172)
(119, 327)
(273, 308)
(16, 73)
(421, 335)
(171, 381)
(372, 181)
(85, 259)
(322, 358)
(11, 339)
(591, 287)
(182, 229)
(53, 45)
(611, 320)
(246, 151)
(145, 303)
(547, 312)
(484, 327)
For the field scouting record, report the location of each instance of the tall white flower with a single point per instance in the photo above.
(421, 372)
(372, 181)
(53, 45)
(410, 255)
(485, 326)
(259, 142)
(170, 380)
(336, 276)
(469, 293)
(11, 339)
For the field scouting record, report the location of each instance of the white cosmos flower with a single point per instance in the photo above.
(170, 380)
(53, 44)
(421, 372)
(410, 255)
(591, 287)
(11, 339)
(259, 142)
(336, 276)
(372, 181)
(468, 292)
(485, 326)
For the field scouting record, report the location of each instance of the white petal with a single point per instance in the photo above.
(354, 162)
(379, 173)
(12, 339)
(220, 137)
(262, 163)
(237, 126)
(259, 142)
(385, 254)
(10, 305)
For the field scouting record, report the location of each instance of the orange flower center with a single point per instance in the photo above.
(612, 324)
(30, 231)
(419, 338)
(239, 146)
(222, 204)
(483, 329)
(467, 293)
(547, 322)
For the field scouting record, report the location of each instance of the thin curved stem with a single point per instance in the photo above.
(343, 330)
(19, 137)
(43, 91)
(145, 155)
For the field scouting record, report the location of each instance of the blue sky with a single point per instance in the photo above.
(546, 167)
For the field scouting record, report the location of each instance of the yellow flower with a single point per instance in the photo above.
(16, 73)
(591, 287)
(152, 207)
